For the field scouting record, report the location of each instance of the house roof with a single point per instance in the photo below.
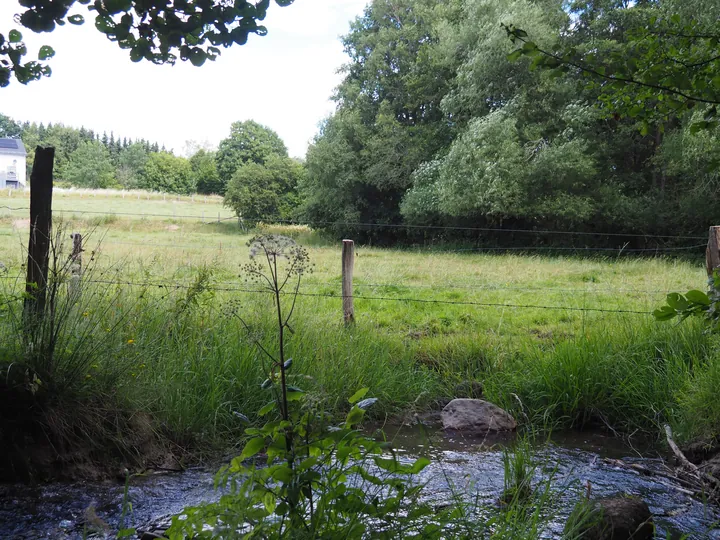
(13, 147)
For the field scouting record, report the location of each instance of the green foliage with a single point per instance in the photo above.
(658, 66)
(435, 126)
(9, 128)
(205, 173)
(306, 489)
(192, 31)
(168, 173)
(389, 117)
(265, 192)
(90, 166)
(249, 142)
(131, 165)
(694, 303)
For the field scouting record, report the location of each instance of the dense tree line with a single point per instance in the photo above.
(435, 125)
(251, 165)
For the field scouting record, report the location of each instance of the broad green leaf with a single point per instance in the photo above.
(354, 416)
(515, 55)
(677, 302)
(698, 297)
(270, 502)
(357, 396)
(46, 52)
(252, 447)
(665, 313)
(266, 408)
(14, 36)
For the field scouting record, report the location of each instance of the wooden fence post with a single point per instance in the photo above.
(41, 183)
(76, 264)
(348, 263)
(712, 253)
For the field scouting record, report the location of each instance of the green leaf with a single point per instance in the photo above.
(665, 313)
(197, 57)
(270, 502)
(698, 297)
(76, 19)
(355, 415)
(14, 36)
(267, 383)
(357, 396)
(515, 55)
(252, 447)
(677, 302)
(294, 393)
(266, 408)
(46, 52)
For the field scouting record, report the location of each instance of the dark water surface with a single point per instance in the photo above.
(458, 465)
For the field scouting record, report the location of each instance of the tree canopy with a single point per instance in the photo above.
(158, 31)
(442, 120)
(267, 191)
(248, 142)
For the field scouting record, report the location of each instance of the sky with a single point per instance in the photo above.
(283, 80)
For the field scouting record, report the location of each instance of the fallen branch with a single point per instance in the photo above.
(678, 453)
(695, 472)
(694, 487)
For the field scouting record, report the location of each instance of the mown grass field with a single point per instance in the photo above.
(156, 330)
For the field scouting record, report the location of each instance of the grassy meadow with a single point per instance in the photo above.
(156, 333)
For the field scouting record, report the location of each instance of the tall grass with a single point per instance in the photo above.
(183, 359)
(193, 367)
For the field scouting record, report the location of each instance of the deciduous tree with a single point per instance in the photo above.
(160, 32)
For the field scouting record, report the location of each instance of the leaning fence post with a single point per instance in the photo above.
(41, 182)
(348, 263)
(712, 253)
(76, 264)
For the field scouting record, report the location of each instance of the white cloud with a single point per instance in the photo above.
(283, 80)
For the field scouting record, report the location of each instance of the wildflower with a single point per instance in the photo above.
(86, 313)
(88, 376)
(130, 341)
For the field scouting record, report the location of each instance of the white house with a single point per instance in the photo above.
(12, 163)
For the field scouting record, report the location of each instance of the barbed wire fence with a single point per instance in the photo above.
(370, 289)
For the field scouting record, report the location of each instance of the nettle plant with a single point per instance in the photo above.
(302, 475)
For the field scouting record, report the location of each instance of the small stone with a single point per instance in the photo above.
(476, 417)
(66, 524)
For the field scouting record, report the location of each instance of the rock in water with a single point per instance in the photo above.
(615, 518)
(476, 417)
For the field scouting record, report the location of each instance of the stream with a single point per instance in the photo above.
(474, 467)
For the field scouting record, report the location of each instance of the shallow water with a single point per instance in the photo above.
(462, 465)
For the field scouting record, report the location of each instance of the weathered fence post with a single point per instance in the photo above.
(41, 183)
(712, 253)
(76, 264)
(348, 263)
